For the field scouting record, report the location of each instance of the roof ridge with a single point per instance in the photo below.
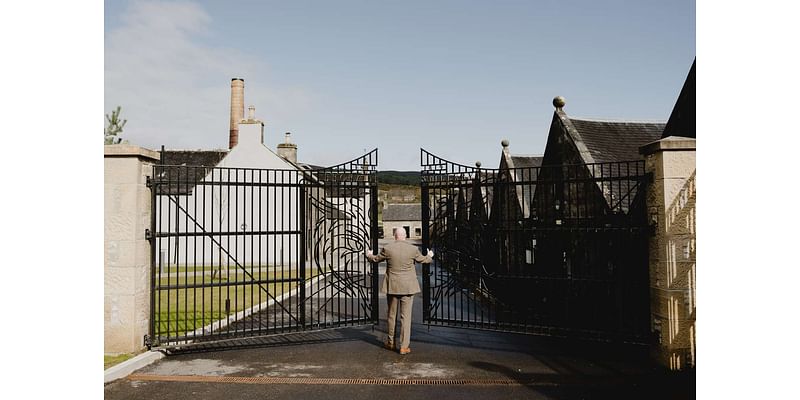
(196, 150)
(631, 121)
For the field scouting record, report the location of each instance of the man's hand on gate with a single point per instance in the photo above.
(430, 253)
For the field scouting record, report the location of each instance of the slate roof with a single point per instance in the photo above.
(402, 212)
(523, 169)
(682, 121)
(179, 182)
(207, 158)
(605, 141)
(526, 161)
(612, 141)
(323, 207)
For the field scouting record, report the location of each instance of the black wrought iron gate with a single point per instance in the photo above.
(556, 250)
(242, 252)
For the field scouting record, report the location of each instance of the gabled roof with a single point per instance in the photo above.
(526, 161)
(402, 212)
(519, 160)
(324, 208)
(522, 168)
(179, 183)
(682, 121)
(591, 141)
(467, 194)
(610, 141)
(207, 158)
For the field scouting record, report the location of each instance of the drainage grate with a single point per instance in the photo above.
(264, 380)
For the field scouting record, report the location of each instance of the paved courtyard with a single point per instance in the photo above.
(445, 363)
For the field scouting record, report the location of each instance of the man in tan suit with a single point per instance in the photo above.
(400, 284)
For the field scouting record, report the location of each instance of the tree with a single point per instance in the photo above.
(114, 127)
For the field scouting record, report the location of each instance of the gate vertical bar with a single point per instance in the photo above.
(301, 301)
(373, 233)
(325, 205)
(153, 184)
(426, 244)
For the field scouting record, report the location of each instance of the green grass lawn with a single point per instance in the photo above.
(110, 361)
(183, 310)
(200, 268)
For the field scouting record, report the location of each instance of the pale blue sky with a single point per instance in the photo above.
(454, 77)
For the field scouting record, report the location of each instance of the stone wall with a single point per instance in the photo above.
(388, 227)
(673, 288)
(126, 251)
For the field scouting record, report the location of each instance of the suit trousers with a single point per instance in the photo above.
(405, 303)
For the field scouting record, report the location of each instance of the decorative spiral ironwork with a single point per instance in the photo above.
(275, 250)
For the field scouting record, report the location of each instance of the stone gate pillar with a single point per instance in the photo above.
(671, 207)
(126, 251)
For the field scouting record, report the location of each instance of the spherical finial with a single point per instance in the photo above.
(478, 164)
(504, 143)
(559, 102)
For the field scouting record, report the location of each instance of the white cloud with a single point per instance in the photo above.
(173, 88)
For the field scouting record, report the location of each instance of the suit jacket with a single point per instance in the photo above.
(401, 277)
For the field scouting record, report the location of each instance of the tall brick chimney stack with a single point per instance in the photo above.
(237, 110)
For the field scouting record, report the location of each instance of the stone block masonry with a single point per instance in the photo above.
(127, 214)
(673, 287)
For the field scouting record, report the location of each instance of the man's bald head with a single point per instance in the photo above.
(399, 234)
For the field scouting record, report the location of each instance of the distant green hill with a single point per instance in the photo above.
(410, 178)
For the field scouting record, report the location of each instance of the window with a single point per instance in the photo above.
(417, 231)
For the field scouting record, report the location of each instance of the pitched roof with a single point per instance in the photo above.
(402, 212)
(526, 161)
(207, 158)
(324, 208)
(604, 141)
(178, 183)
(523, 168)
(611, 141)
(682, 121)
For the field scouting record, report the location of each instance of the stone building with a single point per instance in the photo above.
(574, 220)
(673, 248)
(403, 216)
(572, 141)
(587, 179)
(512, 200)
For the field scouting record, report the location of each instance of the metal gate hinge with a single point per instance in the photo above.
(147, 234)
(149, 182)
(147, 341)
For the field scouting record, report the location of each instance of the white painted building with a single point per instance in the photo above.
(244, 208)
(243, 205)
(217, 204)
